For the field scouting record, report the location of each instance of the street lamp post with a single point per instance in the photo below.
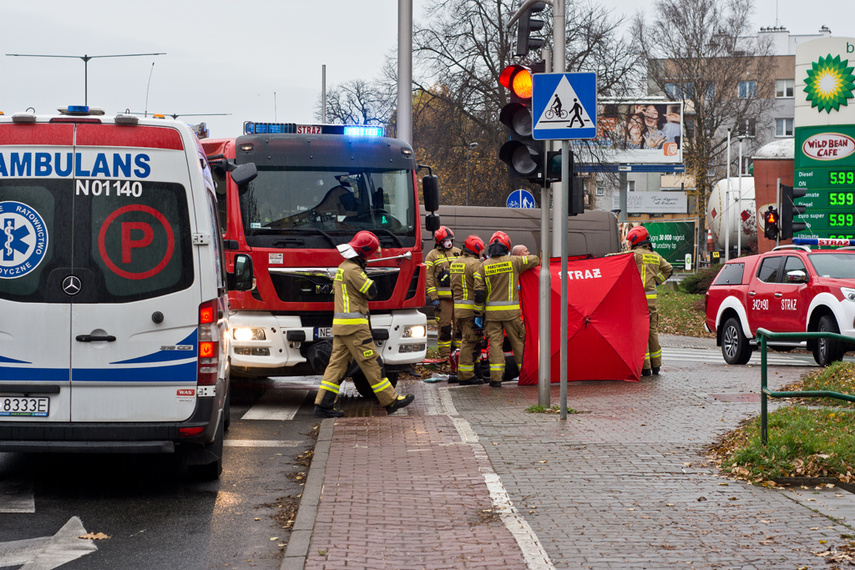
(726, 208)
(85, 59)
(741, 138)
(469, 148)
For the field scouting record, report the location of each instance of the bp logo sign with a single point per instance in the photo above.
(23, 239)
(829, 83)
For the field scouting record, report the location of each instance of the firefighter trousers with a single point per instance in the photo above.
(470, 345)
(516, 336)
(653, 356)
(445, 321)
(360, 347)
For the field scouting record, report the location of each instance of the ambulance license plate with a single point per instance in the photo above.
(323, 332)
(24, 406)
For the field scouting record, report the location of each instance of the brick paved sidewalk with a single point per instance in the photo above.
(466, 478)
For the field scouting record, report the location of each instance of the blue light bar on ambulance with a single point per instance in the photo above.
(363, 131)
(839, 242)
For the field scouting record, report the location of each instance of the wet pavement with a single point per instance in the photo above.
(465, 477)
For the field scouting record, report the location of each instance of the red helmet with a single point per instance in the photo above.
(364, 243)
(442, 234)
(502, 238)
(637, 235)
(474, 244)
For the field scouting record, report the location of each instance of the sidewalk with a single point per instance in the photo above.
(466, 478)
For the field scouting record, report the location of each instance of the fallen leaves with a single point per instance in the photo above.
(94, 536)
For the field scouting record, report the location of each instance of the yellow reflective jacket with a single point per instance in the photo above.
(466, 278)
(351, 286)
(502, 279)
(438, 260)
(652, 268)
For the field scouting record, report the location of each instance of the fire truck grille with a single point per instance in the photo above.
(314, 289)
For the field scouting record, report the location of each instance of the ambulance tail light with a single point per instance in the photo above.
(208, 358)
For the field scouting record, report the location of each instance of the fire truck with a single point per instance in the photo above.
(316, 186)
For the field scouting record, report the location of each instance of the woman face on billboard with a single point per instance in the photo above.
(634, 128)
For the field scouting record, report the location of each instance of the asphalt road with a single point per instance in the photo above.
(151, 515)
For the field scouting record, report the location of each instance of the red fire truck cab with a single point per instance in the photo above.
(317, 185)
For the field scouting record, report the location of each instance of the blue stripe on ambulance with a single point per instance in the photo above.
(167, 355)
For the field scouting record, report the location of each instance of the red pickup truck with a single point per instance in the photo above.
(789, 289)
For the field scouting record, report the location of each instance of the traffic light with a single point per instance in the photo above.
(523, 155)
(790, 211)
(770, 223)
(527, 25)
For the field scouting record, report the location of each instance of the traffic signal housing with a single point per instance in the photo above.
(523, 155)
(790, 211)
(770, 223)
(526, 26)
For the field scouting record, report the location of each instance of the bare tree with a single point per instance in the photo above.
(358, 102)
(462, 50)
(698, 52)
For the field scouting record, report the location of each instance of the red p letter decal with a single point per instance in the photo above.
(129, 243)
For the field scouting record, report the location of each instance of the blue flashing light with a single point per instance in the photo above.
(363, 131)
(78, 109)
(250, 128)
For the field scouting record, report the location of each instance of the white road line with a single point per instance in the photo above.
(261, 443)
(277, 405)
(536, 557)
(17, 497)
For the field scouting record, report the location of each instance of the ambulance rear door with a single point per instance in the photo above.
(134, 315)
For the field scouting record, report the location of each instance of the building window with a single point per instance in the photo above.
(783, 127)
(784, 88)
(746, 127)
(630, 185)
(745, 167)
(679, 91)
(747, 89)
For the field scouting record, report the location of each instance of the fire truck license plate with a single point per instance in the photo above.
(12, 406)
(323, 332)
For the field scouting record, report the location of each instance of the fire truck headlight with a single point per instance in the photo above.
(246, 334)
(414, 331)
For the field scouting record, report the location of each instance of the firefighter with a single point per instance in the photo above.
(351, 331)
(438, 280)
(501, 273)
(653, 270)
(467, 284)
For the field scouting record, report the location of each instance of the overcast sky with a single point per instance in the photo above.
(258, 60)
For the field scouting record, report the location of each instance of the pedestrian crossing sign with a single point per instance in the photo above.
(564, 106)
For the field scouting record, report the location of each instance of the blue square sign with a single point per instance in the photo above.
(564, 106)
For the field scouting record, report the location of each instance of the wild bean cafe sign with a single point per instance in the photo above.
(825, 136)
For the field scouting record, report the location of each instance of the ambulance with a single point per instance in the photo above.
(113, 289)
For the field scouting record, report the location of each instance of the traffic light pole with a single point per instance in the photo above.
(544, 380)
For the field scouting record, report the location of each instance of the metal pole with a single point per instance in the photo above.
(405, 71)
(324, 93)
(739, 203)
(544, 377)
(566, 173)
(726, 207)
(559, 65)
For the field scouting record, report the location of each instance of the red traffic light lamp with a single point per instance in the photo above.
(770, 223)
(517, 79)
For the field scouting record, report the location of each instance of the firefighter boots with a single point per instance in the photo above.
(400, 402)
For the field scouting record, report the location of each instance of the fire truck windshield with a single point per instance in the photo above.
(332, 204)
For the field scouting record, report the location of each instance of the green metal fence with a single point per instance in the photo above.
(765, 392)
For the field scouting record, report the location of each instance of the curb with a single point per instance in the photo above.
(304, 524)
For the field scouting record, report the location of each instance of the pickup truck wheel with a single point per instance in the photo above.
(734, 345)
(827, 350)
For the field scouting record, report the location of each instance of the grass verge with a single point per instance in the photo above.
(815, 437)
(681, 313)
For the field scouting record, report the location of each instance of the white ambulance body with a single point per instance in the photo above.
(113, 297)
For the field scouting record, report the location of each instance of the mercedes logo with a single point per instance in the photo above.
(71, 285)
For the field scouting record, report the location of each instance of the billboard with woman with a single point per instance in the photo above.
(632, 132)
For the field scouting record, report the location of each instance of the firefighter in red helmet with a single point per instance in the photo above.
(438, 282)
(351, 331)
(467, 284)
(501, 278)
(653, 270)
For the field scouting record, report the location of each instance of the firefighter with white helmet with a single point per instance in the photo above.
(438, 282)
(501, 277)
(468, 289)
(351, 331)
(653, 270)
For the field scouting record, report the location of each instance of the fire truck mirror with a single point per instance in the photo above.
(242, 279)
(431, 222)
(244, 174)
(430, 190)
